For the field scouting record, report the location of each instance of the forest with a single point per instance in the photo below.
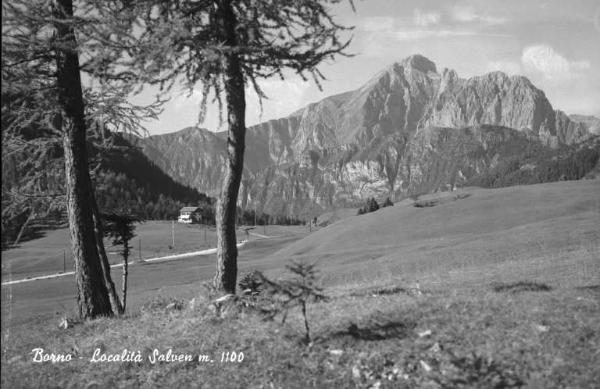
(538, 166)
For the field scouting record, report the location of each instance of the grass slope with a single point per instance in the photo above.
(537, 227)
(508, 295)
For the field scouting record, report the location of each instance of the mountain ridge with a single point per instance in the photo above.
(376, 140)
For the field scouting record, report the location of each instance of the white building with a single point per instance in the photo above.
(188, 215)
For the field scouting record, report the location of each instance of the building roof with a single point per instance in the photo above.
(188, 209)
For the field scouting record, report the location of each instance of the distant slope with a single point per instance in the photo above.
(187, 151)
(542, 222)
(534, 165)
(130, 180)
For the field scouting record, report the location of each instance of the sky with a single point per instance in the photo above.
(556, 44)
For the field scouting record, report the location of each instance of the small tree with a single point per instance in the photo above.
(296, 292)
(387, 203)
(120, 228)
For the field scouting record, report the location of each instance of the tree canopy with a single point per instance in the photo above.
(184, 41)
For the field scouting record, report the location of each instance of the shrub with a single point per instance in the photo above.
(370, 206)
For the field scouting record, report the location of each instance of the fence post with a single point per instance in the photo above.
(173, 233)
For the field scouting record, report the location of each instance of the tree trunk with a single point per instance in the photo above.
(24, 226)
(226, 276)
(92, 297)
(307, 337)
(125, 275)
(108, 282)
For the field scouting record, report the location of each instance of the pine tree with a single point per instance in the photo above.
(120, 227)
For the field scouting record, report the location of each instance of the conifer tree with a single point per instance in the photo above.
(223, 46)
(46, 112)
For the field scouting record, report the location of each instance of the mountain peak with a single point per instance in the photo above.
(419, 62)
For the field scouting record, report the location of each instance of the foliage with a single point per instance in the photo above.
(33, 118)
(567, 163)
(186, 41)
(120, 227)
(31, 113)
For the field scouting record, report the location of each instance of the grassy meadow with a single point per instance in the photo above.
(479, 288)
(47, 254)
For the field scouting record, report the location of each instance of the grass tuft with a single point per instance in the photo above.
(162, 303)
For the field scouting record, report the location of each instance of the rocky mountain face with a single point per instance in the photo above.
(411, 129)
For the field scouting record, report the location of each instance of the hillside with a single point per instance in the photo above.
(128, 179)
(477, 231)
(474, 288)
(411, 129)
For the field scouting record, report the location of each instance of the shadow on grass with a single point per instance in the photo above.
(389, 290)
(591, 288)
(434, 202)
(426, 203)
(521, 286)
(29, 235)
(380, 331)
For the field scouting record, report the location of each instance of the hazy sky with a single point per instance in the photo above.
(556, 44)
